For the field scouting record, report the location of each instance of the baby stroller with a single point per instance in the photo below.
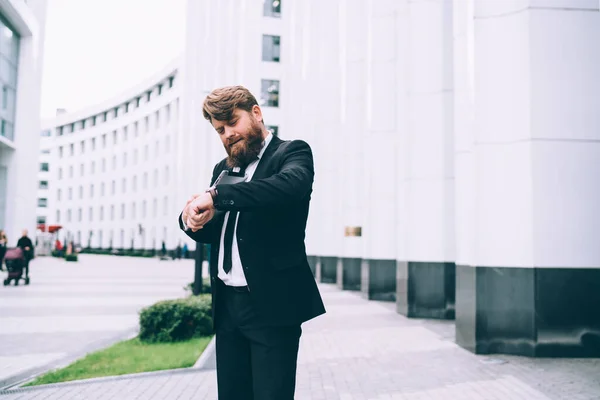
(15, 263)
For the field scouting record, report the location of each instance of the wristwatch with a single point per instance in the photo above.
(213, 193)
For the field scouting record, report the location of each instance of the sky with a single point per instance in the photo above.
(96, 49)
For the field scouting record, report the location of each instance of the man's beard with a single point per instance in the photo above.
(246, 150)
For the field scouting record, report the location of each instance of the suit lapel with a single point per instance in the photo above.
(261, 169)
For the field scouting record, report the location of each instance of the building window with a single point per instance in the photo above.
(70, 171)
(45, 167)
(43, 185)
(269, 94)
(114, 137)
(147, 124)
(135, 157)
(70, 193)
(83, 124)
(137, 102)
(46, 133)
(144, 209)
(272, 8)
(166, 175)
(93, 167)
(41, 220)
(104, 141)
(160, 89)
(273, 129)
(94, 120)
(171, 79)
(124, 185)
(91, 213)
(82, 147)
(133, 210)
(59, 131)
(135, 128)
(93, 143)
(122, 211)
(82, 170)
(42, 202)
(145, 181)
(168, 114)
(69, 215)
(60, 173)
(124, 133)
(92, 190)
(270, 50)
(112, 213)
(114, 162)
(81, 192)
(124, 159)
(134, 184)
(58, 194)
(113, 187)
(72, 149)
(157, 119)
(79, 215)
(166, 206)
(57, 216)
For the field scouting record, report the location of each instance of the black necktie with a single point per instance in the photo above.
(228, 242)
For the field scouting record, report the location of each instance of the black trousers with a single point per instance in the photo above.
(254, 361)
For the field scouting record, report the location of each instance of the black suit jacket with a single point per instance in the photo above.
(271, 227)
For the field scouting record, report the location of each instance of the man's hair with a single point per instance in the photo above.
(222, 102)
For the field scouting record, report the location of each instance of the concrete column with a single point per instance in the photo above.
(425, 281)
(532, 288)
(380, 146)
(353, 97)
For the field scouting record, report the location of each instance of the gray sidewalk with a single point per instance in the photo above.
(364, 350)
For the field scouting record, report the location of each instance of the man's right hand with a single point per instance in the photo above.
(193, 220)
(185, 216)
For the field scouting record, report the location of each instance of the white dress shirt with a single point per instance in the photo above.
(236, 276)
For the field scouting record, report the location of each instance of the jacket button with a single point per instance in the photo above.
(231, 202)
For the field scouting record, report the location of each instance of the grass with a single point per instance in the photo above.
(127, 357)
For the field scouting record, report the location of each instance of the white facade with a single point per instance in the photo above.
(21, 49)
(113, 168)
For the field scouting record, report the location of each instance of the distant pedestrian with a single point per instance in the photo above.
(3, 244)
(28, 250)
(185, 251)
(178, 252)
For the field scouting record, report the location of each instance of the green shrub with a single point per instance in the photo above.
(71, 257)
(176, 320)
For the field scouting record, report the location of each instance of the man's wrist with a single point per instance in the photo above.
(213, 194)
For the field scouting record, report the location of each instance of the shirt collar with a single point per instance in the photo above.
(265, 144)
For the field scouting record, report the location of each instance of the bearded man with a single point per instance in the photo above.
(262, 286)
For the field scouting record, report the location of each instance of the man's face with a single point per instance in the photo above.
(242, 136)
(24, 233)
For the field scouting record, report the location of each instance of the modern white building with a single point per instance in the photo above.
(22, 25)
(112, 173)
(456, 145)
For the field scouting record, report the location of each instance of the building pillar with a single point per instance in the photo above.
(380, 143)
(425, 278)
(353, 100)
(529, 267)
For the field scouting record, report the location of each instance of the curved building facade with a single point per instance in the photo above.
(456, 148)
(113, 167)
(22, 27)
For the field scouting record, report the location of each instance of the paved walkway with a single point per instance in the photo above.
(363, 350)
(72, 308)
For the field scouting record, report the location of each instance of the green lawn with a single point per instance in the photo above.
(127, 357)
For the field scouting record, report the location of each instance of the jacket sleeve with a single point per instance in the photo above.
(289, 185)
(211, 232)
